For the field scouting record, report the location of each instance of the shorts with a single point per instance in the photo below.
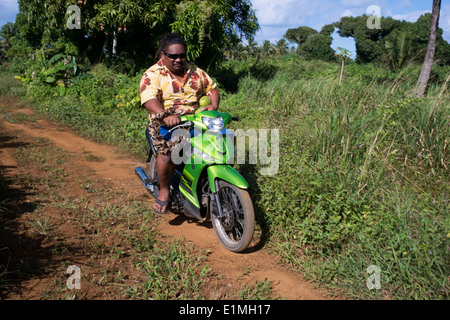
(165, 135)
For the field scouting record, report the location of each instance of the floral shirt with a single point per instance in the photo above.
(157, 82)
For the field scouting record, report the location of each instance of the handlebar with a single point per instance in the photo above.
(184, 124)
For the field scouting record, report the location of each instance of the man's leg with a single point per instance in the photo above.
(165, 169)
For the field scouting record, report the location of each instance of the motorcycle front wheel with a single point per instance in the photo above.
(236, 228)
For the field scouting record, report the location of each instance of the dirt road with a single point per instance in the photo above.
(90, 161)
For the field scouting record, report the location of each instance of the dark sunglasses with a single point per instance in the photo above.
(175, 56)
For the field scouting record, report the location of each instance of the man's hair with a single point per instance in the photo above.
(169, 39)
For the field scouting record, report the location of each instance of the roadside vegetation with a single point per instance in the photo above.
(364, 164)
(363, 177)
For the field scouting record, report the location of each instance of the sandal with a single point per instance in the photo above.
(162, 204)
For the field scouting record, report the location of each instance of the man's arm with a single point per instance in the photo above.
(153, 106)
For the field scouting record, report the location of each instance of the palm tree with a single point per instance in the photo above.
(267, 48)
(428, 62)
(252, 47)
(345, 55)
(281, 47)
(400, 50)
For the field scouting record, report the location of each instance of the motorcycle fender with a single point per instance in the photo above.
(227, 173)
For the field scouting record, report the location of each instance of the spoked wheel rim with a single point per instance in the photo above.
(235, 229)
(233, 222)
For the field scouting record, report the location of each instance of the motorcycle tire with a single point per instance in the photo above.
(235, 231)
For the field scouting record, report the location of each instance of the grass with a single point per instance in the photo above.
(41, 226)
(171, 272)
(351, 157)
(9, 86)
(363, 177)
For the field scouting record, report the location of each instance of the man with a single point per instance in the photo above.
(170, 88)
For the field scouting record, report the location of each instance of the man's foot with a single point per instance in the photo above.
(161, 207)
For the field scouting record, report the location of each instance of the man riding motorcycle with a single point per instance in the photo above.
(170, 88)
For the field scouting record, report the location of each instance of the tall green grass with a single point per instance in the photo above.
(363, 180)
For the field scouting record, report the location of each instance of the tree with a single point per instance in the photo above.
(369, 48)
(281, 47)
(267, 48)
(299, 35)
(318, 47)
(429, 57)
(421, 30)
(221, 24)
(374, 45)
(7, 32)
(252, 47)
(327, 29)
(312, 44)
(400, 48)
(344, 54)
(118, 30)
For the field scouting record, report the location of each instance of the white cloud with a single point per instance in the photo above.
(410, 16)
(285, 12)
(276, 17)
(347, 13)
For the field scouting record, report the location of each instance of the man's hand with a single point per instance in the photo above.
(215, 100)
(172, 121)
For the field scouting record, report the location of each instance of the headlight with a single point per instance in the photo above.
(213, 124)
(203, 155)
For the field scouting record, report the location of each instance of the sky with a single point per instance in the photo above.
(275, 17)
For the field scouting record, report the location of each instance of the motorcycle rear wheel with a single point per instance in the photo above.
(235, 231)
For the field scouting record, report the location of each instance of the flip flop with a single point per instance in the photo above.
(162, 204)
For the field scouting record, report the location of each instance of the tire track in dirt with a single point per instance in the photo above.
(256, 265)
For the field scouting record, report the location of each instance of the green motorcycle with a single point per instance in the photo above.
(205, 186)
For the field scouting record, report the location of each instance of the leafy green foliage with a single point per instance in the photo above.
(57, 71)
(299, 35)
(318, 47)
(400, 49)
(120, 31)
(311, 44)
(194, 21)
(400, 40)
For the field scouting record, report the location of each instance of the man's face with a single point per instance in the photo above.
(176, 65)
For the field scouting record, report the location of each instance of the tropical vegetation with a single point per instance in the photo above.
(363, 176)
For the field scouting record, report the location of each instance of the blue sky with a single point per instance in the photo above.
(276, 16)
